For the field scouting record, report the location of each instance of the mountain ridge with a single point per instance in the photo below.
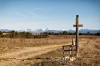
(37, 31)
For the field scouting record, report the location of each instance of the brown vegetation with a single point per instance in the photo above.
(89, 54)
(89, 49)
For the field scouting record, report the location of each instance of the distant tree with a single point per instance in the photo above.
(44, 35)
(1, 34)
(80, 33)
(12, 31)
(88, 33)
(97, 34)
(22, 34)
(71, 33)
(12, 34)
(51, 33)
(28, 35)
(64, 32)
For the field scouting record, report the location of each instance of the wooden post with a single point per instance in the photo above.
(71, 51)
(76, 35)
(77, 25)
(72, 46)
(64, 60)
(63, 51)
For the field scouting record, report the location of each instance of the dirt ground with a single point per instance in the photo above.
(19, 52)
(12, 58)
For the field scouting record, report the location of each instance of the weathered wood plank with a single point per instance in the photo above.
(80, 25)
(69, 50)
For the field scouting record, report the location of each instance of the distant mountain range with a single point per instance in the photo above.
(37, 31)
(85, 31)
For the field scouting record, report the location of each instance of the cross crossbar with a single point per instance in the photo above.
(80, 25)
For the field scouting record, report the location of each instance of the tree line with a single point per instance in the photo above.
(72, 33)
(15, 34)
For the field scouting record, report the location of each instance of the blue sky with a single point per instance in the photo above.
(52, 14)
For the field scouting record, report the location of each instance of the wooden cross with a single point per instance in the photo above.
(77, 25)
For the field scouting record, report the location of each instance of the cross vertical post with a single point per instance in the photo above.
(77, 34)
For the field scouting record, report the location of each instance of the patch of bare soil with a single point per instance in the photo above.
(12, 58)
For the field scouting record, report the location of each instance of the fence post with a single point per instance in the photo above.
(70, 51)
(63, 51)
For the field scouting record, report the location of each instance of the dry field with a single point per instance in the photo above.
(20, 49)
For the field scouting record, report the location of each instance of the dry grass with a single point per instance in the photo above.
(58, 39)
(21, 42)
(7, 44)
(89, 49)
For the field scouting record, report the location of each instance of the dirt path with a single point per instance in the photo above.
(12, 58)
